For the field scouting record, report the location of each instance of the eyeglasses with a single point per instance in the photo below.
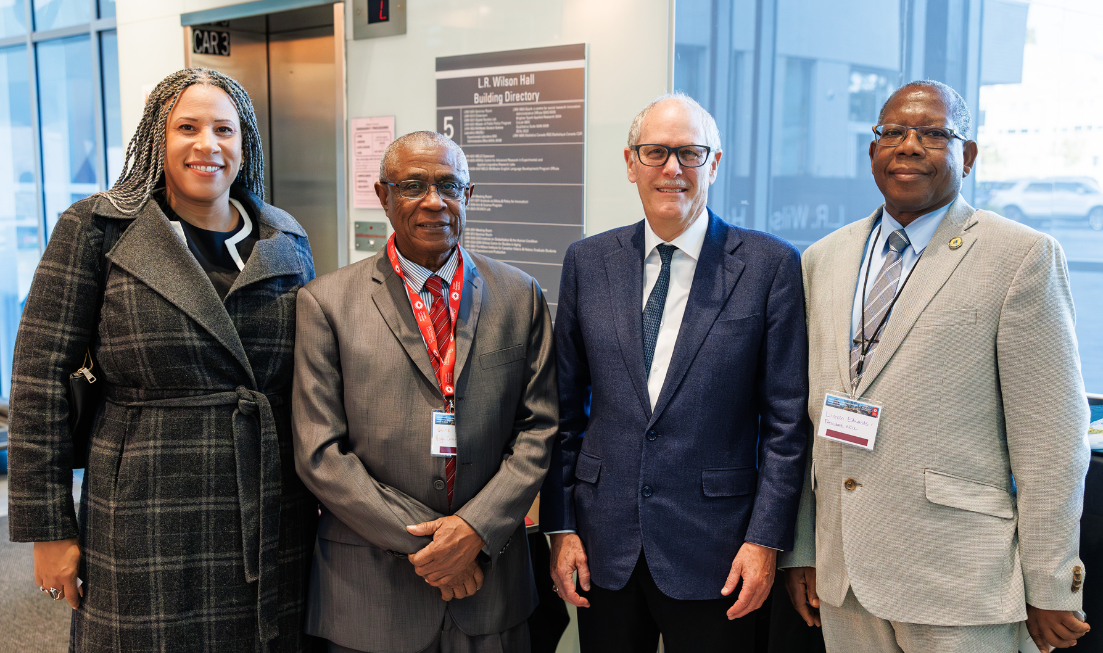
(655, 155)
(935, 138)
(415, 189)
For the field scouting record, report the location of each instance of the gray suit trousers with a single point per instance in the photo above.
(454, 640)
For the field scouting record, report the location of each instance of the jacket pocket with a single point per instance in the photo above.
(964, 494)
(333, 529)
(587, 468)
(957, 317)
(736, 325)
(502, 356)
(729, 482)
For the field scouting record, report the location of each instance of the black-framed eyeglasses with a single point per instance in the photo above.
(935, 138)
(415, 189)
(656, 155)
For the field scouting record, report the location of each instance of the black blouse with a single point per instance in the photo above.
(215, 250)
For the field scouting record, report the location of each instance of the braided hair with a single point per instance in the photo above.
(143, 168)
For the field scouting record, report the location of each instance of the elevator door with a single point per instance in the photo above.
(302, 111)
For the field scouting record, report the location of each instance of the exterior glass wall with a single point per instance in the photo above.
(796, 85)
(60, 134)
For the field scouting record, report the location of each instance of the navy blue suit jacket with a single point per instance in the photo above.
(720, 461)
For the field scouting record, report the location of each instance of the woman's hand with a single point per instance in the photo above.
(55, 565)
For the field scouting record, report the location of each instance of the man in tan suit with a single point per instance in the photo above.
(424, 407)
(957, 516)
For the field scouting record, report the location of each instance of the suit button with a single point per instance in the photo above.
(651, 435)
(1077, 579)
(438, 484)
(850, 484)
(647, 490)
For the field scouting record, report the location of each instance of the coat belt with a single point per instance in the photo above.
(257, 459)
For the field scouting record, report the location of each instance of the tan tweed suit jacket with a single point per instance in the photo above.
(969, 505)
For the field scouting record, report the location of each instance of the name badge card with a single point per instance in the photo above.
(849, 421)
(444, 434)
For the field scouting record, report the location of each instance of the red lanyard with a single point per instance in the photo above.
(447, 362)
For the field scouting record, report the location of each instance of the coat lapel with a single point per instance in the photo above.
(151, 252)
(847, 267)
(394, 305)
(468, 318)
(624, 268)
(274, 255)
(714, 278)
(932, 270)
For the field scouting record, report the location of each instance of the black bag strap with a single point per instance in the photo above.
(111, 235)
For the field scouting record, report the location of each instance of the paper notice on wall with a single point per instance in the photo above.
(370, 136)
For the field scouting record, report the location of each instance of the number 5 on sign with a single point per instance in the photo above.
(449, 130)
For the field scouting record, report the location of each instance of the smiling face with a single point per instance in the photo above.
(202, 147)
(672, 195)
(425, 229)
(917, 180)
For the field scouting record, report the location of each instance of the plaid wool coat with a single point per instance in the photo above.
(196, 534)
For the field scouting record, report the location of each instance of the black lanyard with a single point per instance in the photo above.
(864, 343)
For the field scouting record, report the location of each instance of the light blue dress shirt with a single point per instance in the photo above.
(919, 232)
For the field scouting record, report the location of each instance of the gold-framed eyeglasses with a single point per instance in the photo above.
(415, 189)
(655, 155)
(935, 138)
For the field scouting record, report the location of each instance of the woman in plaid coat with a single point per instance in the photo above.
(194, 532)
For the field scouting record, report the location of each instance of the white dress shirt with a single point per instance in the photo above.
(683, 264)
(919, 232)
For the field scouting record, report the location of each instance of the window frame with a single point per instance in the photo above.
(30, 40)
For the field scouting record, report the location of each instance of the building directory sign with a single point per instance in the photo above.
(520, 118)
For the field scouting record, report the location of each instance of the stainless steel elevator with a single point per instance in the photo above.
(292, 65)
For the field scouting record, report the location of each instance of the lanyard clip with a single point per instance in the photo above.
(451, 405)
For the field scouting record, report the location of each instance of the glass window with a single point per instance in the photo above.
(19, 232)
(795, 93)
(52, 14)
(112, 117)
(68, 123)
(107, 8)
(13, 17)
(1041, 124)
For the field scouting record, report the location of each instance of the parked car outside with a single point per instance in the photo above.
(1032, 201)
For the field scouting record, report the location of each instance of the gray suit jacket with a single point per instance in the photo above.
(363, 393)
(969, 505)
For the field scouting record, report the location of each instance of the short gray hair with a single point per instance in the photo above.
(421, 139)
(959, 111)
(712, 132)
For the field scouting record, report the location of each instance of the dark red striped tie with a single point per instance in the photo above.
(442, 328)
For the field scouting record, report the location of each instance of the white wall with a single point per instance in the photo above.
(630, 43)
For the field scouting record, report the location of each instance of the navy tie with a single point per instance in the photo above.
(653, 311)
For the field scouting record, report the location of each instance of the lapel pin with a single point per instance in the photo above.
(955, 243)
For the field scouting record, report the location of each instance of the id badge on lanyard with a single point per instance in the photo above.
(850, 421)
(443, 354)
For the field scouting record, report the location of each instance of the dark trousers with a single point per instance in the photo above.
(629, 620)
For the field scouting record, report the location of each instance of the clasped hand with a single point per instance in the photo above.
(449, 562)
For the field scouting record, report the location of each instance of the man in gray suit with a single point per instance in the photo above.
(950, 514)
(424, 408)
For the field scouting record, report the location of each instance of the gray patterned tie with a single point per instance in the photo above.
(880, 299)
(656, 302)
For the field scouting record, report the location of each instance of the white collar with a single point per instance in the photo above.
(689, 242)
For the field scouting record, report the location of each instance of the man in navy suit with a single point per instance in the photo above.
(682, 357)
